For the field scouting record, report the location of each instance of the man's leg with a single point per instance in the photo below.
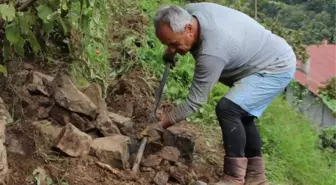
(253, 94)
(255, 171)
(229, 116)
(253, 139)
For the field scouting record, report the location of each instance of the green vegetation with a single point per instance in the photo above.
(82, 34)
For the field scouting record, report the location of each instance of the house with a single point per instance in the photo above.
(320, 66)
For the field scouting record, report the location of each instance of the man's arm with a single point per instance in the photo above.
(207, 72)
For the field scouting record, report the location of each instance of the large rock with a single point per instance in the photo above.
(39, 78)
(181, 138)
(152, 160)
(38, 108)
(38, 83)
(181, 174)
(5, 119)
(67, 95)
(64, 116)
(60, 114)
(112, 150)
(50, 130)
(3, 164)
(122, 121)
(73, 142)
(4, 114)
(94, 92)
(103, 122)
(170, 153)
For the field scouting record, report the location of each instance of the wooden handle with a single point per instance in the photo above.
(139, 155)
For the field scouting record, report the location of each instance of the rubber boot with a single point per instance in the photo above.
(255, 172)
(234, 171)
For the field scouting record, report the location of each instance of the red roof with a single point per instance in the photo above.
(322, 60)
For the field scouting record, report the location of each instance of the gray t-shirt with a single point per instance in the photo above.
(232, 46)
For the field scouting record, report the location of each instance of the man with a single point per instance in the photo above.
(232, 48)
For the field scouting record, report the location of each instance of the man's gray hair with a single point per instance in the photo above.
(175, 16)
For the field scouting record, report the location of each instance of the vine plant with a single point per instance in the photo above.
(30, 29)
(76, 29)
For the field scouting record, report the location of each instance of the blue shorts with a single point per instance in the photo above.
(255, 92)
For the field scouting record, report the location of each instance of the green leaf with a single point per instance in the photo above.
(7, 11)
(92, 3)
(24, 24)
(6, 50)
(49, 181)
(33, 42)
(3, 69)
(64, 5)
(43, 12)
(30, 17)
(48, 27)
(18, 47)
(13, 34)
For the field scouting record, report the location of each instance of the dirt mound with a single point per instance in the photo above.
(71, 135)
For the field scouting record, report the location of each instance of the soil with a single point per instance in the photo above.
(35, 150)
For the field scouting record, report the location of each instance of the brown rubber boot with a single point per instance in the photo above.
(234, 171)
(255, 172)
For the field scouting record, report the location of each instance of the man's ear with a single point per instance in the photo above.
(189, 29)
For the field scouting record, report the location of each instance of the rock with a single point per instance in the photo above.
(67, 95)
(122, 121)
(170, 153)
(134, 145)
(5, 119)
(3, 164)
(3, 124)
(39, 78)
(36, 89)
(200, 183)
(81, 122)
(48, 129)
(152, 160)
(103, 122)
(14, 145)
(4, 114)
(146, 169)
(181, 138)
(108, 129)
(181, 174)
(60, 114)
(28, 66)
(112, 150)
(63, 116)
(73, 142)
(119, 119)
(38, 108)
(42, 113)
(94, 92)
(38, 83)
(161, 178)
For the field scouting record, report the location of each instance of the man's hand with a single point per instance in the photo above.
(153, 131)
(165, 123)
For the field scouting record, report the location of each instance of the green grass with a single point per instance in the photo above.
(331, 103)
(291, 145)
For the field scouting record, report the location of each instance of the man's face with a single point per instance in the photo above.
(176, 42)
